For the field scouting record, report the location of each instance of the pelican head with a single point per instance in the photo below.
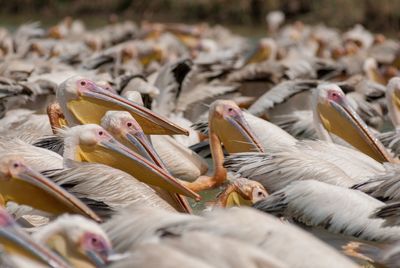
(226, 120)
(154, 52)
(85, 102)
(242, 192)
(16, 242)
(92, 143)
(393, 100)
(370, 67)
(80, 241)
(21, 184)
(334, 115)
(265, 50)
(127, 131)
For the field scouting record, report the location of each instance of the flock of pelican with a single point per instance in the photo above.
(110, 139)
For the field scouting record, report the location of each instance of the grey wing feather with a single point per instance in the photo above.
(391, 140)
(276, 169)
(384, 186)
(302, 201)
(280, 93)
(299, 124)
(390, 213)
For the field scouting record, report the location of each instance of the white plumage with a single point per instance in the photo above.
(334, 208)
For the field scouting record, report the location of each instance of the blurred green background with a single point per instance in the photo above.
(381, 15)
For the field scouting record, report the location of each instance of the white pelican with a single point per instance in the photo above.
(22, 249)
(292, 101)
(38, 158)
(125, 128)
(221, 251)
(331, 207)
(22, 185)
(148, 255)
(383, 186)
(226, 125)
(91, 143)
(105, 189)
(180, 161)
(240, 192)
(78, 240)
(391, 139)
(330, 106)
(24, 124)
(280, 240)
(83, 102)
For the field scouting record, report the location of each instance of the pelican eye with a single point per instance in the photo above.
(83, 83)
(129, 124)
(15, 165)
(101, 133)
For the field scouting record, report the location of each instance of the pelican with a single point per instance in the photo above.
(240, 192)
(22, 249)
(107, 190)
(24, 124)
(83, 102)
(301, 201)
(227, 125)
(181, 162)
(91, 143)
(22, 185)
(391, 138)
(383, 186)
(148, 255)
(330, 105)
(275, 238)
(223, 252)
(37, 158)
(78, 240)
(293, 100)
(125, 128)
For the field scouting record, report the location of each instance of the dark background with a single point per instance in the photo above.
(380, 16)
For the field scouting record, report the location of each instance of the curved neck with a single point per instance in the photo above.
(70, 150)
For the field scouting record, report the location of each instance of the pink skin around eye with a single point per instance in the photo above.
(86, 84)
(231, 111)
(133, 125)
(103, 135)
(5, 219)
(95, 242)
(334, 95)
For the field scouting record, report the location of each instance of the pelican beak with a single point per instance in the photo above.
(340, 119)
(236, 200)
(33, 189)
(15, 241)
(92, 104)
(396, 98)
(234, 132)
(242, 192)
(114, 154)
(144, 148)
(99, 259)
